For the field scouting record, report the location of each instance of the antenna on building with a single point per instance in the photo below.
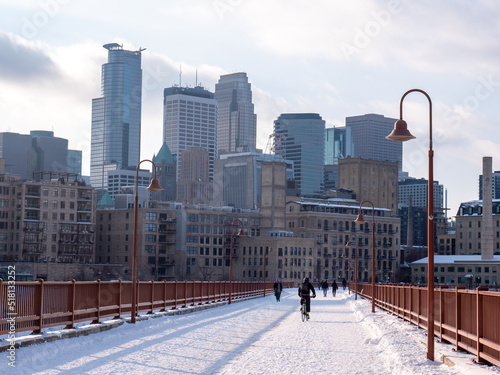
(180, 75)
(196, 81)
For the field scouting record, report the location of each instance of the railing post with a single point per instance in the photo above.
(175, 294)
(458, 316)
(152, 297)
(97, 321)
(119, 299)
(39, 307)
(441, 314)
(72, 301)
(479, 323)
(164, 295)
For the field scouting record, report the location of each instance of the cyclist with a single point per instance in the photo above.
(305, 290)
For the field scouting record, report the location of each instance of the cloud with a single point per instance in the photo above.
(23, 61)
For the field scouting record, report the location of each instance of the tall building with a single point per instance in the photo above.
(116, 115)
(190, 120)
(338, 144)
(368, 138)
(39, 151)
(300, 137)
(237, 180)
(194, 186)
(237, 122)
(495, 180)
(412, 207)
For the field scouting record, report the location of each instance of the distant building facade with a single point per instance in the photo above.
(372, 180)
(194, 186)
(237, 121)
(368, 138)
(338, 142)
(39, 151)
(190, 120)
(300, 137)
(237, 180)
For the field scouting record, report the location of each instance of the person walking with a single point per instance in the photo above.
(305, 290)
(324, 287)
(344, 283)
(278, 288)
(334, 288)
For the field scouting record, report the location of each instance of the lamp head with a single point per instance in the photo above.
(360, 219)
(241, 233)
(400, 132)
(154, 186)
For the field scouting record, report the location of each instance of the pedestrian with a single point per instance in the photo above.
(324, 287)
(278, 288)
(305, 290)
(334, 288)
(344, 283)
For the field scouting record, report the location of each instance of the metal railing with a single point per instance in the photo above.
(37, 305)
(468, 319)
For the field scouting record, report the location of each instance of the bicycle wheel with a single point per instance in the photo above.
(303, 312)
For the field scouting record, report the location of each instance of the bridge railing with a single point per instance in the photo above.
(37, 305)
(469, 319)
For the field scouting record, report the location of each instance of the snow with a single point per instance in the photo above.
(256, 336)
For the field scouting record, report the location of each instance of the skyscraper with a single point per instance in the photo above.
(368, 138)
(190, 120)
(300, 137)
(237, 122)
(116, 115)
(338, 144)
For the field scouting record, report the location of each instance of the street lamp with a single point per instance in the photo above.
(266, 244)
(361, 220)
(401, 134)
(240, 233)
(154, 186)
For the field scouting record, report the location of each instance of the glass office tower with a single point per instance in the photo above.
(116, 116)
(300, 137)
(237, 122)
(190, 120)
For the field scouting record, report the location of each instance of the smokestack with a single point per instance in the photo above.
(487, 218)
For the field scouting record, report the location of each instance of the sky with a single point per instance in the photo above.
(256, 336)
(338, 59)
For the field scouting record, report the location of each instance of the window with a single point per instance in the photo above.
(150, 215)
(150, 227)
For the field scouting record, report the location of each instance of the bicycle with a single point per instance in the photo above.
(303, 310)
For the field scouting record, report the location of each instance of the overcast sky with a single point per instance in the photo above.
(335, 58)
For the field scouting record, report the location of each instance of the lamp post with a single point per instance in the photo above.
(240, 233)
(402, 134)
(361, 220)
(154, 186)
(266, 244)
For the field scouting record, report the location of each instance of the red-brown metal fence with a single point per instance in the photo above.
(34, 306)
(469, 319)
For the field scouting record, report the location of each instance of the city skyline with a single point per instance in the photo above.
(334, 60)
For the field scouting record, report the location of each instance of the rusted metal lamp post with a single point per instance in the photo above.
(154, 186)
(402, 134)
(267, 244)
(238, 223)
(361, 220)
